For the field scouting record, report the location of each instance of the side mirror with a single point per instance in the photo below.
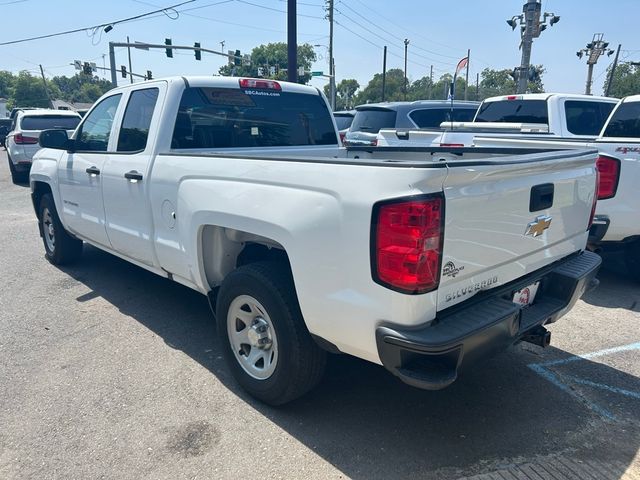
(57, 138)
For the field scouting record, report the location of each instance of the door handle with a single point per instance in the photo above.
(133, 176)
(93, 171)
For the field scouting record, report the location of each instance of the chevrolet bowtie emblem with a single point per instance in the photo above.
(538, 226)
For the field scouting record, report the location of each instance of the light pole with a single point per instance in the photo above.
(406, 45)
(593, 50)
(530, 27)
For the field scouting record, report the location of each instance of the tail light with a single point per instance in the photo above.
(595, 200)
(407, 243)
(342, 135)
(609, 169)
(259, 84)
(22, 140)
(452, 145)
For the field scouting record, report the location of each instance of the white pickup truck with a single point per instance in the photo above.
(617, 220)
(530, 116)
(237, 188)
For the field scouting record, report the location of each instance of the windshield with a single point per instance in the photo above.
(372, 120)
(514, 111)
(231, 117)
(343, 121)
(45, 122)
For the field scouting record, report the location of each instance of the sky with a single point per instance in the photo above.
(439, 34)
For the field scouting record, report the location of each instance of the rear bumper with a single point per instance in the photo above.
(430, 357)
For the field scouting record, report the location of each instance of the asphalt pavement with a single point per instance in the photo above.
(107, 371)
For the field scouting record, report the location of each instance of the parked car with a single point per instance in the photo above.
(22, 141)
(5, 124)
(343, 118)
(533, 115)
(15, 110)
(238, 189)
(370, 118)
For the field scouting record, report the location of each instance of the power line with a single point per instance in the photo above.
(278, 10)
(13, 42)
(225, 22)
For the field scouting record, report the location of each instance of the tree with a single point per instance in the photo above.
(7, 81)
(345, 93)
(626, 80)
(394, 85)
(28, 91)
(501, 82)
(81, 88)
(273, 55)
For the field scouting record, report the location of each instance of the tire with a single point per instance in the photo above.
(264, 296)
(632, 260)
(60, 247)
(16, 177)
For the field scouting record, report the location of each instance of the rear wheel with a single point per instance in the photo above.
(263, 335)
(16, 177)
(60, 247)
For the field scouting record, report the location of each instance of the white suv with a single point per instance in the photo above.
(22, 141)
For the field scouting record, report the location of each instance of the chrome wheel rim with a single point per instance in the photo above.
(48, 230)
(252, 337)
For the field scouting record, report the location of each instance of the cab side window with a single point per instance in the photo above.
(93, 135)
(134, 131)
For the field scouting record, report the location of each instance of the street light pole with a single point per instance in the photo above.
(530, 27)
(593, 50)
(332, 75)
(406, 45)
(292, 39)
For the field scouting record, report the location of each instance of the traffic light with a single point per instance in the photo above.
(197, 51)
(237, 58)
(123, 71)
(86, 68)
(168, 51)
(149, 77)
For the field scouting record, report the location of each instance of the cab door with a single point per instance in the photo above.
(80, 174)
(126, 184)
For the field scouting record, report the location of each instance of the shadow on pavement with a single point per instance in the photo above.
(369, 425)
(614, 291)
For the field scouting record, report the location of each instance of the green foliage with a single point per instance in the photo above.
(626, 80)
(394, 88)
(494, 83)
(345, 93)
(28, 91)
(273, 54)
(6, 83)
(81, 88)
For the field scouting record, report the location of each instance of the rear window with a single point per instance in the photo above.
(433, 117)
(586, 117)
(343, 121)
(625, 122)
(517, 111)
(45, 122)
(372, 120)
(226, 117)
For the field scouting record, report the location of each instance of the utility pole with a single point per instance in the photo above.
(613, 70)
(46, 90)
(222, 44)
(593, 50)
(477, 87)
(384, 71)
(332, 73)
(466, 78)
(129, 53)
(530, 27)
(430, 81)
(406, 45)
(292, 39)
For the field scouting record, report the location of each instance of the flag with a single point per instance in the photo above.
(461, 64)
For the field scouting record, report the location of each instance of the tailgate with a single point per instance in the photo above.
(503, 222)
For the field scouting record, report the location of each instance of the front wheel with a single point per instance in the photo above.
(263, 335)
(60, 247)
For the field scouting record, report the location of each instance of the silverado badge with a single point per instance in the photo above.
(538, 226)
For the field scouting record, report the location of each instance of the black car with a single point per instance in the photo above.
(5, 124)
(372, 117)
